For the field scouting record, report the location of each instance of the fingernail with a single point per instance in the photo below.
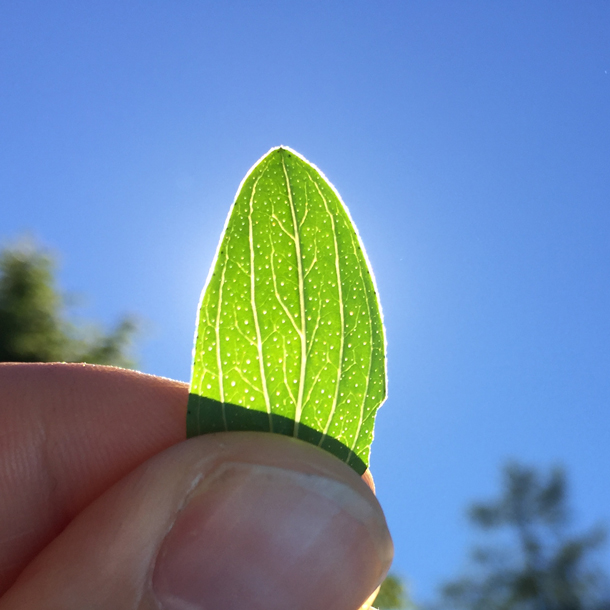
(258, 537)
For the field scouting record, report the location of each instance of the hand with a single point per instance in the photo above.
(105, 505)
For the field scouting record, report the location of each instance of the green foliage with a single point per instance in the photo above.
(393, 595)
(546, 568)
(290, 336)
(33, 325)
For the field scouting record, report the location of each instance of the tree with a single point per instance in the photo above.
(393, 595)
(33, 324)
(545, 567)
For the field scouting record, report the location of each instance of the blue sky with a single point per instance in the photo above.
(471, 142)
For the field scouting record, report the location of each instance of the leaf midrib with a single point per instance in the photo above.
(303, 330)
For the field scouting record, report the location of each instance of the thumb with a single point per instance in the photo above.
(238, 521)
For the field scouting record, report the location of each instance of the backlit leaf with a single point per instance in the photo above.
(290, 336)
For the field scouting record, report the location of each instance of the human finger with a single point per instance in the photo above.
(232, 521)
(67, 433)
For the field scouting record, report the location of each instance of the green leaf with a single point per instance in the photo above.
(290, 335)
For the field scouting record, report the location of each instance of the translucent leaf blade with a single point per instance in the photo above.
(290, 335)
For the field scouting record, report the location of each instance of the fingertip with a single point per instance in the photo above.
(265, 537)
(233, 520)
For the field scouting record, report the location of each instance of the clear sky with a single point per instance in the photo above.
(471, 142)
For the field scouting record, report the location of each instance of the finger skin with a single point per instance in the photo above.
(67, 433)
(219, 507)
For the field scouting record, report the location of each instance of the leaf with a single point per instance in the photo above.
(290, 335)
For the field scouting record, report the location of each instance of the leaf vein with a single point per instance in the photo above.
(259, 344)
(341, 312)
(303, 330)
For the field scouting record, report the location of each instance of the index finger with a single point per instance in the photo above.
(68, 432)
